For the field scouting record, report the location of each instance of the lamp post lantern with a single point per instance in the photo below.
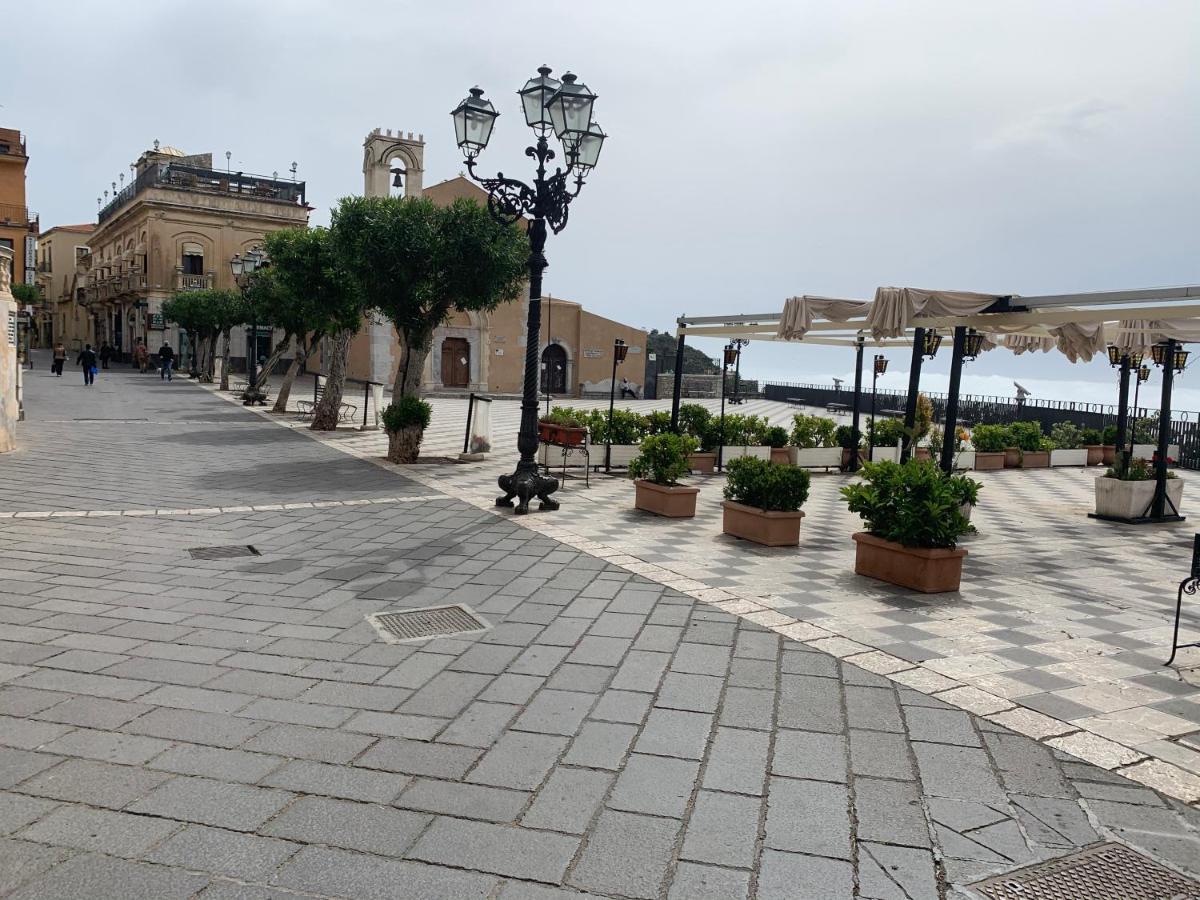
(619, 352)
(728, 359)
(879, 368)
(244, 268)
(564, 108)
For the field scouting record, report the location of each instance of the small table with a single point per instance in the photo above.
(836, 407)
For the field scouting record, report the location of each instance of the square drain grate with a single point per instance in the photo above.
(427, 622)
(230, 552)
(1108, 871)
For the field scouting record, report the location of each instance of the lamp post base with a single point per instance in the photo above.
(525, 484)
(254, 398)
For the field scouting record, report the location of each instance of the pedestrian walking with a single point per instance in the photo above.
(141, 356)
(60, 357)
(166, 359)
(87, 359)
(627, 388)
(106, 353)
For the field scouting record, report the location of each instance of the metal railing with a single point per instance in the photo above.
(193, 282)
(191, 178)
(11, 214)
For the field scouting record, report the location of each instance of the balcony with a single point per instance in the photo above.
(193, 282)
(17, 216)
(176, 176)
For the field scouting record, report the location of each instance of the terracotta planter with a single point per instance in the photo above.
(1095, 453)
(1012, 457)
(1130, 499)
(549, 433)
(674, 502)
(768, 527)
(1035, 459)
(1110, 454)
(781, 456)
(923, 453)
(846, 457)
(703, 462)
(987, 460)
(928, 570)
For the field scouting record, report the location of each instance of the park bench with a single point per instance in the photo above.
(305, 409)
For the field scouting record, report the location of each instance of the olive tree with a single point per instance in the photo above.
(417, 262)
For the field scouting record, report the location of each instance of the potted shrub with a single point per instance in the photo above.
(405, 422)
(762, 502)
(1034, 448)
(1093, 442)
(990, 443)
(1068, 445)
(913, 516)
(1128, 495)
(744, 436)
(696, 422)
(628, 429)
(849, 441)
(884, 437)
(922, 425)
(777, 439)
(657, 470)
(814, 442)
(563, 426)
(1109, 441)
(967, 490)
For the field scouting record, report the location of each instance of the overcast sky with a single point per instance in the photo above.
(757, 150)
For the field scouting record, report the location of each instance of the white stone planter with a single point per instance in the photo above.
(622, 454)
(1068, 457)
(965, 459)
(1131, 499)
(733, 452)
(880, 454)
(817, 457)
(1147, 451)
(551, 456)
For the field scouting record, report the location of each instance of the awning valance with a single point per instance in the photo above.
(798, 314)
(895, 307)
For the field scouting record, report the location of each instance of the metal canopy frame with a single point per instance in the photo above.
(1033, 316)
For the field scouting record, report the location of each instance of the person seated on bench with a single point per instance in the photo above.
(627, 388)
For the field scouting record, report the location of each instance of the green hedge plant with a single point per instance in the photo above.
(1026, 436)
(566, 417)
(1109, 435)
(811, 432)
(914, 503)
(1091, 437)
(776, 437)
(845, 438)
(407, 412)
(755, 482)
(1066, 435)
(663, 458)
(696, 421)
(991, 438)
(628, 427)
(885, 432)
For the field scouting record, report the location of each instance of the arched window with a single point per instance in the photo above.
(554, 370)
(193, 259)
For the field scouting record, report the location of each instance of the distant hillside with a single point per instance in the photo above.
(695, 362)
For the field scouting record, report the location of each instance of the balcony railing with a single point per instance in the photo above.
(191, 178)
(11, 214)
(193, 282)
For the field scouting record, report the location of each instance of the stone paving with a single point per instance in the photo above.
(234, 728)
(1060, 631)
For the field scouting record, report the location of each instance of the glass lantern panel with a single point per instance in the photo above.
(587, 152)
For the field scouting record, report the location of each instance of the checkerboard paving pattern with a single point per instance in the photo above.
(1061, 628)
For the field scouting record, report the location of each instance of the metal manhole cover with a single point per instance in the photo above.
(427, 622)
(1105, 872)
(229, 552)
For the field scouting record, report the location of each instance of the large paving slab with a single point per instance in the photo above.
(235, 728)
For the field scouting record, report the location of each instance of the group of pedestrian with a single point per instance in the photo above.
(91, 361)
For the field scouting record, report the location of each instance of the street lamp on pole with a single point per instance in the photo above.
(738, 344)
(564, 108)
(881, 364)
(729, 359)
(244, 268)
(619, 353)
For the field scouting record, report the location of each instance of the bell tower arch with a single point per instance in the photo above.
(393, 160)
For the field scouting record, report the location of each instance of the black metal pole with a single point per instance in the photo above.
(470, 411)
(737, 373)
(678, 386)
(1137, 390)
(1158, 509)
(721, 438)
(914, 387)
(951, 419)
(1123, 416)
(871, 440)
(855, 438)
(612, 390)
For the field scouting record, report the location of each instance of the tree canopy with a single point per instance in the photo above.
(305, 289)
(695, 361)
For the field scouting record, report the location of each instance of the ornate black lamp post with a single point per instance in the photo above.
(880, 367)
(967, 345)
(738, 343)
(730, 357)
(619, 353)
(1143, 375)
(566, 109)
(244, 268)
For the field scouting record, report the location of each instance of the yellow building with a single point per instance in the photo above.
(18, 226)
(61, 256)
(174, 228)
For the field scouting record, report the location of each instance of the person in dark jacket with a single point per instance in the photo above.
(106, 353)
(166, 359)
(87, 359)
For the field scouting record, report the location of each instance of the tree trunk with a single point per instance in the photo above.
(264, 374)
(329, 409)
(404, 445)
(225, 361)
(412, 366)
(210, 358)
(304, 346)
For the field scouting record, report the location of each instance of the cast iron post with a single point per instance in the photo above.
(951, 419)
(855, 437)
(914, 387)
